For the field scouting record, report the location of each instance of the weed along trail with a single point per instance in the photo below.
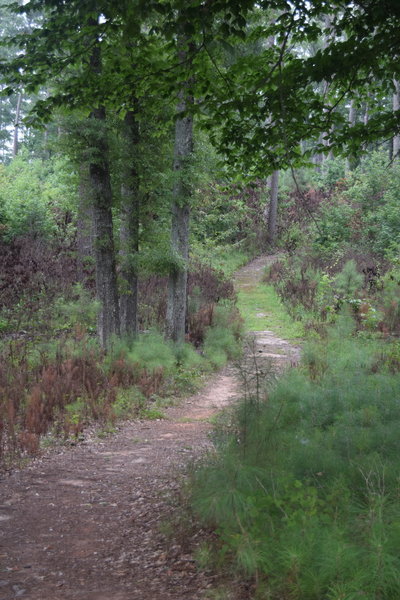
(92, 522)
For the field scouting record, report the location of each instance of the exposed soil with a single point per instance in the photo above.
(91, 522)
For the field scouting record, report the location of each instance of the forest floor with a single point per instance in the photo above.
(93, 522)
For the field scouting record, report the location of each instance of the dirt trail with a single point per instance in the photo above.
(266, 344)
(89, 522)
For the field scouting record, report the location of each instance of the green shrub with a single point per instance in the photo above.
(330, 173)
(128, 403)
(390, 300)
(81, 310)
(76, 411)
(334, 227)
(304, 491)
(187, 357)
(222, 341)
(349, 281)
(34, 199)
(152, 351)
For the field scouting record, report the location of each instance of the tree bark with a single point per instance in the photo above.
(129, 234)
(324, 138)
(85, 230)
(366, 114)
(16, 126)
(108, 323)
(352, 122)
(273, 207)
(271, 211)
(180, 209)
(396, 107)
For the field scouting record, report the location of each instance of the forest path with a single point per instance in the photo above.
(91, 522)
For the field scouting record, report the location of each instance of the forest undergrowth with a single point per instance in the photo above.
(56, 380)
(301, 495)
(303, 489)
(340, 233)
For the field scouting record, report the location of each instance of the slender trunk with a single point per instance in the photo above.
(396, 107)
(85, 233)
(46, 149)
(366, 114)
(365, 120)
(16, 126)
(325, 136)
(352, 122)
(352, 114)
(273, 207)
(270, 213)
(180, 209)
(129, 233)
(108, 323)
(318, 159)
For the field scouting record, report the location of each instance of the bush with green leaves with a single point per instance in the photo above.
(330, 172)
(334, 228)
(389, 300)
(362, 209)
(307, 291)
(348, 281)
(80, 310)
(314, 294)
(128, 403)
(152, 351)
(303, 491)
(187, 358)
(35, 198)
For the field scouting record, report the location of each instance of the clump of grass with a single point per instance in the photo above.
(151, 351)
(304, 492)
(128, 403)
(187, 358)
(222, 341)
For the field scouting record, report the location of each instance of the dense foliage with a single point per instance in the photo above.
(341, 233)
(303, 491)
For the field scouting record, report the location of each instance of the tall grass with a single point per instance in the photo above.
(304, 494)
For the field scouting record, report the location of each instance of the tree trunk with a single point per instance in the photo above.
(16, 126)
(325, 136)
(84, 229)
(396, 107)
(180, 209)
(273, 207)
(129, 233)
(366, 114)
(271, 210)
(108, 323)
(352, 122)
